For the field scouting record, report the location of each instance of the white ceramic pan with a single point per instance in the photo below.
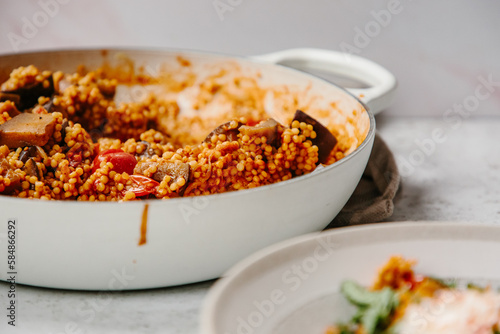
(94, 246)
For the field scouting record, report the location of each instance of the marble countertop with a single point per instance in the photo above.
(453, 176)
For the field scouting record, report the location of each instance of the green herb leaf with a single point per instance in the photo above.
(374, 307)
(357, 294)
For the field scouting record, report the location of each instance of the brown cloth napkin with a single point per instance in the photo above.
(373, 198)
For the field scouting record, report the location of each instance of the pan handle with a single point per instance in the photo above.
(382, 83)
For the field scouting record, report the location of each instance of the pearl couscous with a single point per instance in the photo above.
(64, 136)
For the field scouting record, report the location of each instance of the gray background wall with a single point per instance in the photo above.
(437, 49)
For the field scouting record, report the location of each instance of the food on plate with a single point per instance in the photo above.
(404, 302)
(73, 136)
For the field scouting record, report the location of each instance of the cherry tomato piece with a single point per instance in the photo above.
(142, 185)
(252, 122)
(122, 161)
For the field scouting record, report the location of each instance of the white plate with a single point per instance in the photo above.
(293, 287)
